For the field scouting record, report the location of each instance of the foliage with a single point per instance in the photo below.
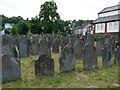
(13, 19)
(23, 27)
(49, 17)
(14, 30)
(35, 26)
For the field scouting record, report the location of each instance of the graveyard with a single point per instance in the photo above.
(47, 51)
(50, 63)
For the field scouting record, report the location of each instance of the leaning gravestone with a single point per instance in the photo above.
(107, 54)
(44, 65)
(67, 59)
(90, 57)
(43, 47)
(11, 69)
(64, 41)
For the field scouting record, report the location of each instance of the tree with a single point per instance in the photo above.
(49, 17)
(23, 27)
(14, 30)
(35, 25)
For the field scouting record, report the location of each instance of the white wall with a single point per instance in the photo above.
(100, 28)
(8, 25)
(108, 14)
(113, 26)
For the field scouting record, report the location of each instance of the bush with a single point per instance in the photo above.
(14, 30)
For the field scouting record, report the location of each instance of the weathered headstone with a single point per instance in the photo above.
(67, 59)
(43, 47)
(78, 48)
(44, 65)
(55, 47)
(99, 45)
(23, 47)
(29, 46)
(107, 54)
(90, 57)
(64, 41)
(50, 41)
(118, 56)
(11, 69)
(35, 42)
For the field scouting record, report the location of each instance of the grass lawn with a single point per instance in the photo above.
(102, 78)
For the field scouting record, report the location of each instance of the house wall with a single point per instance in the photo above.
(111, 27)
(108, 14)
(8, 25)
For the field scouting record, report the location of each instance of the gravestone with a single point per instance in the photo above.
(50, 41)
(67, 59)
(29, 46)
(11, 69)
(43, 47)
(107, 54)
(23, 47)
(90, 57)
(89, 39)
(44, 65)
(64, 41)
(118, 56)
(78, 48)
(35, 42)
(99, 45)
(55, 47)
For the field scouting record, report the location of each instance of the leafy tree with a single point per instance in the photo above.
(35, 25)
(14, 30)
(79, 23)
(49, 17)
(23, 27)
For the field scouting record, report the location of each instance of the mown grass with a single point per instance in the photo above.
(101, 78)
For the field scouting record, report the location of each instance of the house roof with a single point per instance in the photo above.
(109, 9)
(107, 19)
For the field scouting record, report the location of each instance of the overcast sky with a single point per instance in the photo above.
(68, 9)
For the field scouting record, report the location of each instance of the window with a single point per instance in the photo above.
(100, 28)
(115, 24)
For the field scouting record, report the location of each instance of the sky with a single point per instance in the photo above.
(67, 9)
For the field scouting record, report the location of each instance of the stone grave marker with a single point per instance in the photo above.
(44, 65)
(55, 47)
(23, 47)
(43, 47)
(78, 48)
(90, 57)
(107, 54)
(118, 56)
(67, 59)
(11, 69)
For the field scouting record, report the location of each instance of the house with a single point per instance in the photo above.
(107, 21)
(8, 25)
(83, 29)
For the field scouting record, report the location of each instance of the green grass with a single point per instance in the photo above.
(101, 78)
